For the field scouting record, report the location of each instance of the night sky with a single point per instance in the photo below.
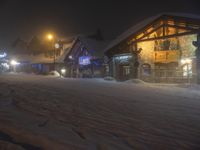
(26, 18)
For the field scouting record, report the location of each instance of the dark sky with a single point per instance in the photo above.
(25, 18)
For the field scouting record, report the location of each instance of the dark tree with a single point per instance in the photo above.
(19, 46)
(35, 46)
(97, 36)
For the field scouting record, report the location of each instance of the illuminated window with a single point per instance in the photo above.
(146, 69)
(187, 70)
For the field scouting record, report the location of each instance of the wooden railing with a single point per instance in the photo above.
(166, 56)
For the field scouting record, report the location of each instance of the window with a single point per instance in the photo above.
(187, 70)
(146, 69)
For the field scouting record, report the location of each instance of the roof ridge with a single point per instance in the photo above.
(145, 22)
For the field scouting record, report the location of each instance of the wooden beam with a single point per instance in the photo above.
(168, 36)
(142, 29)
(190, 21)
(179, 27)
(154, 30)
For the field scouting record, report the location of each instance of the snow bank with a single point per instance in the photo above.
(108, 78)
(136, 81)
(54, 74)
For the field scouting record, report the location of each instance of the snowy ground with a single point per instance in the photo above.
(38, 112)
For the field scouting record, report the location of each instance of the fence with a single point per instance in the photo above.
(168, 76)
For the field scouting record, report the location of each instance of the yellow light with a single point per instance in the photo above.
(50, 36)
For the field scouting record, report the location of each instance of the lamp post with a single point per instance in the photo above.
(197, 52)
(55, 46)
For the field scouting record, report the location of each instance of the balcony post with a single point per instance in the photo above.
(197, 45)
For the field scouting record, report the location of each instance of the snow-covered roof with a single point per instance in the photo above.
(97, 46)
(31, 58)
(143, 24)
(61, 58)
(41, 59)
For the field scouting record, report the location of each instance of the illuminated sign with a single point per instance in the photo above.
(84, 60)
(125, 57)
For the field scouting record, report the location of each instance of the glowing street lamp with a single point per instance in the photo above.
(50, 37)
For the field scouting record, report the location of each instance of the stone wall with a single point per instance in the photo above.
(185, 46)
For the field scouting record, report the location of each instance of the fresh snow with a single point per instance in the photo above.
(94, 114)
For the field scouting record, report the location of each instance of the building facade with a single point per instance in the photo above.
(159, 49)
(43, 62)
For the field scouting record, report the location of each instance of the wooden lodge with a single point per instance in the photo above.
(159, 49)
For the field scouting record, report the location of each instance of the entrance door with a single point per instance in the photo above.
(124, 72)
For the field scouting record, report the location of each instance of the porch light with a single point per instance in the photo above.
(63, 71)
(57, 46)
(14, 63)
(186, 61)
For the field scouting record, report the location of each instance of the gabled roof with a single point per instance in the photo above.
(92, 44)
(41, 58)
(134, 29)
(97, 46)
(62, 57)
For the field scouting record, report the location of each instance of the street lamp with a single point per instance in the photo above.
(50, 37)
(55, 46)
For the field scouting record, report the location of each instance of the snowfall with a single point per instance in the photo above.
(53, 113)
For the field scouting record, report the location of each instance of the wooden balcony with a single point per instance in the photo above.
(167, 56)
